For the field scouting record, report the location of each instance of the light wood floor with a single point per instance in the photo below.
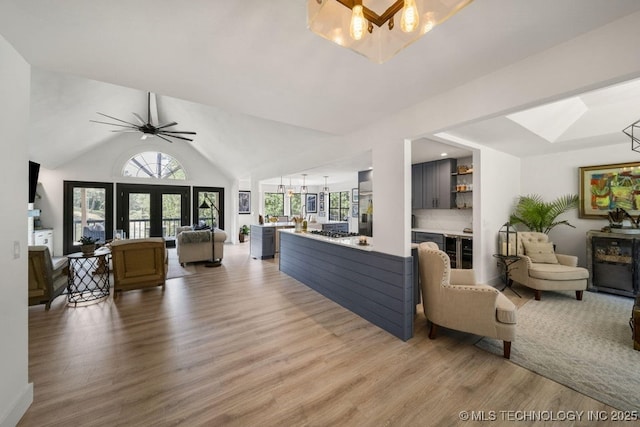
(245, 345)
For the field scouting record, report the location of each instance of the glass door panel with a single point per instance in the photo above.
(139, 215)
(171, 215)
(208, 206)
(87, 211)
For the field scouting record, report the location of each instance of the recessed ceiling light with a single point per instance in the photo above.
(443, 154)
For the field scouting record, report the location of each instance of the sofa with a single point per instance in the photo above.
(47, 276)
(199, 245)
(138, 263)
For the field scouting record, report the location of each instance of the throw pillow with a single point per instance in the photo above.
(540, 252)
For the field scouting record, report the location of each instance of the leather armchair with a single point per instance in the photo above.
(47, 276)
(138, 263)
(547, 276)
(452, 299)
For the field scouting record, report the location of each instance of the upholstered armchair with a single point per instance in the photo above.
(199, 245)
(452, 299)
(47, 276)
(541, 269)
(138, 263)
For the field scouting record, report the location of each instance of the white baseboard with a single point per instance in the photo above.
(18, 407)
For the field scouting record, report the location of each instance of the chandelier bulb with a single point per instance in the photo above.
(410, 18)
(359, 23)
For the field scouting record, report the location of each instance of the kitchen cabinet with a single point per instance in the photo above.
(432, 184)
(263, 241)
(44, 237)
(421, 236)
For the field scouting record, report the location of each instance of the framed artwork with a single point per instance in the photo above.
(322, 199)
(322, 207)
(312, 202)
(245, 202)
(606, 187)
(354, 203)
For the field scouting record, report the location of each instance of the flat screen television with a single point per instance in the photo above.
(34, 170)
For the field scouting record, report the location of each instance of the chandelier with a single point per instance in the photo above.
(359, 27)
(633, 131)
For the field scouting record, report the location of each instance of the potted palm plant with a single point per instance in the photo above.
(87, 245)
(537, 215)
(244, 231)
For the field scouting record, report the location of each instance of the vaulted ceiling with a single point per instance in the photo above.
(229, 69)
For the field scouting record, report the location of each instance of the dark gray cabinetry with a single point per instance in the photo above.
(613, 260)
(263, 242)
(420, 237)
(432, 184)
(336, 226)
(417, 198)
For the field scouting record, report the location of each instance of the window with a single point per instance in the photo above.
(213, 196)
(153, 164)
(273, 204)
(295, 205)
(339, 206)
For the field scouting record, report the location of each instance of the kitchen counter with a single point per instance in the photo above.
(352, 242)
(453, 233)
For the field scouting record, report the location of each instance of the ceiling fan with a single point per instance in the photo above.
(147, 128)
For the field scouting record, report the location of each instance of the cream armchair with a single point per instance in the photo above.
(47, 276)
(193, 246)
(452, 299)
(541, 269)
(138, 263)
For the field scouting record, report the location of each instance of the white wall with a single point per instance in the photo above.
(558, 174)
(104, 164)
(16, 393)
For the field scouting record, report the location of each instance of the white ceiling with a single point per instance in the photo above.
(227, 69)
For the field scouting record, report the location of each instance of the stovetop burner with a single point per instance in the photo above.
(334, 234)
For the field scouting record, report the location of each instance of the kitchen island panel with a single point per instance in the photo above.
(376, 286)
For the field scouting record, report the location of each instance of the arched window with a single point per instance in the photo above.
(153, 164)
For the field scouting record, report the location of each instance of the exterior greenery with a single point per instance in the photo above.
(339, 206)
(274, 204)
(538, 215)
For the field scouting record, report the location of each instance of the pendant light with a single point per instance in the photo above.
(290, 190)
(303, 189)
(325, 189)
(281, 187)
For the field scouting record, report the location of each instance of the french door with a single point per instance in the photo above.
(87, 211)
(151, 210)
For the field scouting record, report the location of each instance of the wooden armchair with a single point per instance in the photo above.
(138, 263)
(47, 277)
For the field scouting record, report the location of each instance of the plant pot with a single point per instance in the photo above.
(241, 237)
(88, 249)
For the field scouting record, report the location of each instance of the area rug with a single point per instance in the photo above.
(175, 269)
(585, 345)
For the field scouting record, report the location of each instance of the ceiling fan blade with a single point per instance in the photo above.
(137, 116)
(152, 105)
(123, 121)
(173, 136)
(167, 125)
(166, 139)
(179, 131)
(125, 130)
(116, 124)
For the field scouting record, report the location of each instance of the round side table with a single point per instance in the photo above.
(88, 276)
